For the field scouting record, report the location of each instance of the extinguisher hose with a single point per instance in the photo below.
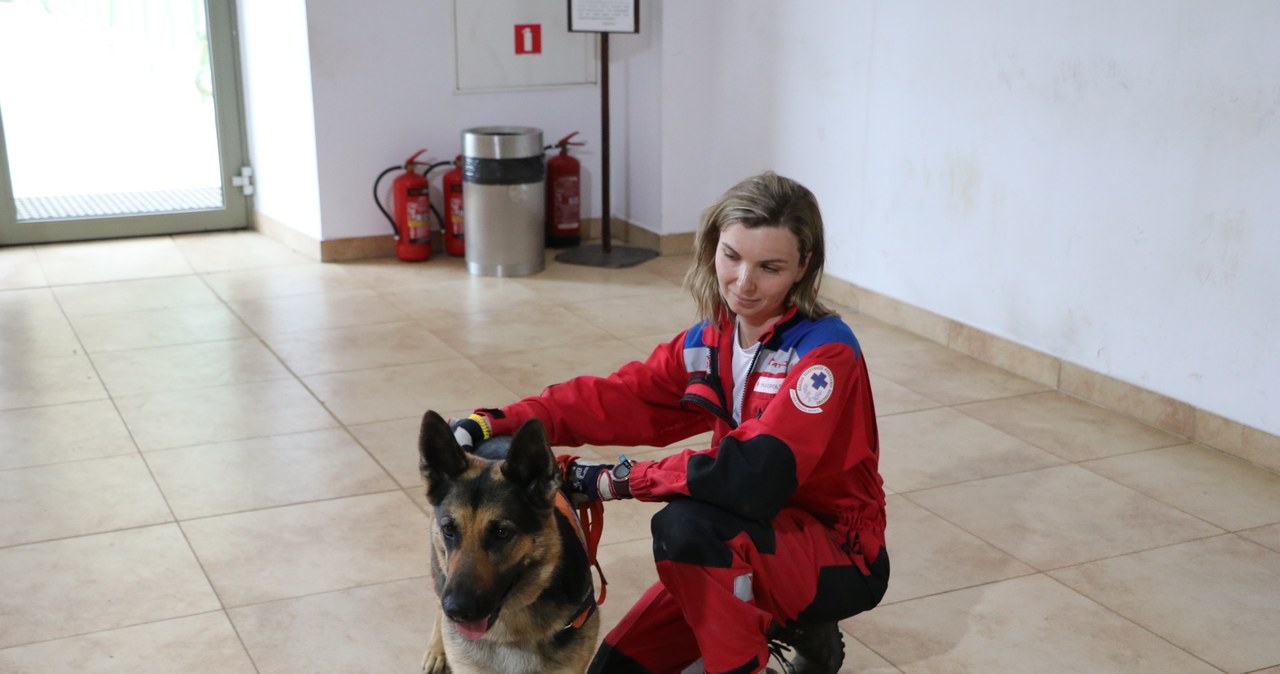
(378, 201)
(377, 181)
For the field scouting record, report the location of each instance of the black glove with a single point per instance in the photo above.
(470, 432)
(595, 481)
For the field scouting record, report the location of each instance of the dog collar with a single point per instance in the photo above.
(588, 607)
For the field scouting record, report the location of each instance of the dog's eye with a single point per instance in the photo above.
(502, 533)
(449, 529)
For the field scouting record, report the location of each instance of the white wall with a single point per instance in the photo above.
(1096, 180)
(384, 87)
(1092, 180)
(279, 111)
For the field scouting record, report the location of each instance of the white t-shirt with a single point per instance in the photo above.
(742, 358)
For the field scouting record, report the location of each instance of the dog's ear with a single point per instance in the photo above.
(439, 457)
(530, 462)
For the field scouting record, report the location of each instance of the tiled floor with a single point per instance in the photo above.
(208, 464)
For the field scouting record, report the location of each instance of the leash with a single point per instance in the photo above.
(589, 523)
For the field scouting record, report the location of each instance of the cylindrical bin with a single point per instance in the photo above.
(503, 177)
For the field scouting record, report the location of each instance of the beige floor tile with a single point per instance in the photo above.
(187, 366)
(37, 338)
(265, 472)
(1218, 598)
(359, 347)
(878, 338)
(493, 332)
(382, 394)
(567, 283)
(894, 398)
(671, 268)
(630, 570)
(419, 496)
(299, 313)
(1028, 625)
(663, 313)
(221, 251)
(72, 499)
(142, 329)
(131, 296)
(1069, 427)
(204, 643)
(628, 520)
(1268, 536)
(30, 304)
(386, 274)
(434, 300)
(331, 632)
(234, 412)
(949, 377)
(647, 343)
(1056, 517)
(931, 448)
(529, 372)
(99, 261)
(20, 268)
(59, 433)
(304, 549)
(298, 279)
(36, 382)
(79, 585)
(929, 555)
(394, 444)
(1213, 486)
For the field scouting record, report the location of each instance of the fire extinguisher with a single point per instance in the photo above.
(411, 201)
(454, 218)
(564, 197)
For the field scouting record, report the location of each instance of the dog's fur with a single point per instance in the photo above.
(510, 571)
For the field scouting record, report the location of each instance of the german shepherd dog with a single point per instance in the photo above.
(510, 569)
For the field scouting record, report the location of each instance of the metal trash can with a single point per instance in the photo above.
(503, 178)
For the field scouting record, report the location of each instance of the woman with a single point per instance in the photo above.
(777, 530)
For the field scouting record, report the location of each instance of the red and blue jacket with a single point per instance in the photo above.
(807, 438)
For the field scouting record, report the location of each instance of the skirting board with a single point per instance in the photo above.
(1160, 411)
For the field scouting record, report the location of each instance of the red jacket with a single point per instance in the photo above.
(808, 437)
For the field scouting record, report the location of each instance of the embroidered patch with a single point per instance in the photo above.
(813, 389)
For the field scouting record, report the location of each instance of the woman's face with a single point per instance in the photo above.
(756, 267)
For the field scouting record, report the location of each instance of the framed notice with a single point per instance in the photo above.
(604, 16)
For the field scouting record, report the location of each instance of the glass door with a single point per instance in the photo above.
(119, 118)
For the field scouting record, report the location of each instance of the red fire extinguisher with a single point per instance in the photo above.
(454, 218)
(411, 201)
(564, 197)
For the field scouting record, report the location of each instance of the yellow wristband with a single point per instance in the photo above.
(484, 425)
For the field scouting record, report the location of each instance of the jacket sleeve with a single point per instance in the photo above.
(756, 469)
(637, 405)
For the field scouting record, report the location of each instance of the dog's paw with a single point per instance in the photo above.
(433, 661)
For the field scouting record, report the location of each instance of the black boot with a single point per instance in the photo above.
(815, 648)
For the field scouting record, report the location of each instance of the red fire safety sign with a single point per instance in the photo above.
(529, 38)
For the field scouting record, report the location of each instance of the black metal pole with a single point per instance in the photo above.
(606, 235)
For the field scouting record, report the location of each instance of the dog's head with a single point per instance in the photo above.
(494, 528)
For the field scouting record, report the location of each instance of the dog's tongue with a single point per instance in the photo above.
(473, 630)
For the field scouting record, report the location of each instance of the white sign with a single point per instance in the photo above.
(604, 16)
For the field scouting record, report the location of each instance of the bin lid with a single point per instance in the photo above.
(502, 142)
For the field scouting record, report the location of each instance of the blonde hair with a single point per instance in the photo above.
(765, 200)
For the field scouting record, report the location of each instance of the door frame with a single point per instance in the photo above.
(236, 213)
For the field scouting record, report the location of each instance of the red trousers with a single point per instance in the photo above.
(725, 581)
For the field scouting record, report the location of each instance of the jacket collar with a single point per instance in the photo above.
(725, 324)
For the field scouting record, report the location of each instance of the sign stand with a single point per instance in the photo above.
(604, 17)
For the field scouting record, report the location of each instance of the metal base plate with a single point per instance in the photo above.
(594, 255)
